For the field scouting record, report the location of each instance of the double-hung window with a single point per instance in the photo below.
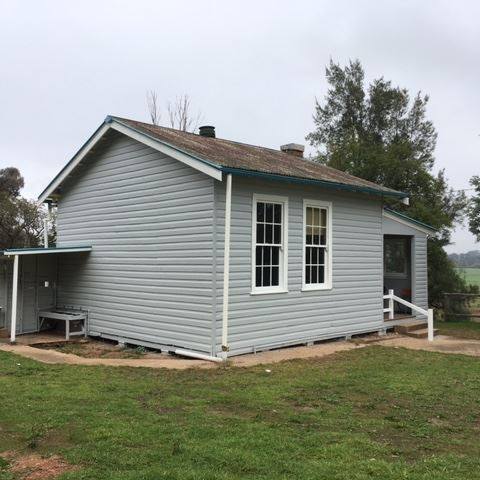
(269, 246)
(317, 255)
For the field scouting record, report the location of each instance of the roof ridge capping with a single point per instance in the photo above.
(215, 156)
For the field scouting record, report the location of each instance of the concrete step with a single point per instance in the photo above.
(410, 327)
(421, 333)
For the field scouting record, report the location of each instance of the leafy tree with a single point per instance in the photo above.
(21, 220)
(474, 208)
(380, 133)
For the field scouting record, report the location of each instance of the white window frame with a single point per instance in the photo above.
(282, 286)
(327, 284)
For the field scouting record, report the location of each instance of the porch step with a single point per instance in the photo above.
(410, 327)
(421, 333)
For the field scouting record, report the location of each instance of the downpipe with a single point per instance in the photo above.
(200, 356)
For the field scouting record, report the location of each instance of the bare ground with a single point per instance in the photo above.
(32, 466)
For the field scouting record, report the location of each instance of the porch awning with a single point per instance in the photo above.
(43, 251)
(16, 253)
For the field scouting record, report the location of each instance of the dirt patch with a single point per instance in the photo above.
(32, 466)
(88, 348)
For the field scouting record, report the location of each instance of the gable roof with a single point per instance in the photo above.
(406, 220)
(215, 156)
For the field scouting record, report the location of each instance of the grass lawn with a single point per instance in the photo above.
(371, 413)
(472, 275)
(465, 329)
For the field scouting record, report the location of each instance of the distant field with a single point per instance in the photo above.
(472, 275)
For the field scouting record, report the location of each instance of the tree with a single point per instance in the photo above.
(153, 107)
(180, 116)
(380, 133)
(21, 220)
(474, 208)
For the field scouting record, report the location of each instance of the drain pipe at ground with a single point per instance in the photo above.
(226, 266)
(200, 356)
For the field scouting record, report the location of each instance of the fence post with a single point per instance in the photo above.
(430, 324)
(391, 314)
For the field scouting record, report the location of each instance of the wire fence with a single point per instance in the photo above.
(462, 306)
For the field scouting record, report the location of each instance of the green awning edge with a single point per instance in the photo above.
(410, 219)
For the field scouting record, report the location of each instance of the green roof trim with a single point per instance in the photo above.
(311, 181)
(410, 219)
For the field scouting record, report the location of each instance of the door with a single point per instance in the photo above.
(397, 268)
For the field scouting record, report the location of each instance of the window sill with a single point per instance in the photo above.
(316, 288)
(268, 292)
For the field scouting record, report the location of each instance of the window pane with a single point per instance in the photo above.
(309, 216)
(267, 255)
(275, 276)
(316, 236)
(275, 255)
(258, 255)
(316, 216)
(268, 233)
(308, 255)
(321, 274)
(323, 236)
(314, 256)
(258, 277)
(260, 233)
(277, 217)
(323, 221)
(309, 236)
(260, 212)
(321, 256)
(269, 212)
(267, 271)
(307, 275)
(277, 234)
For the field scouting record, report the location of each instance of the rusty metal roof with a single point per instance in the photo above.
(236, 157)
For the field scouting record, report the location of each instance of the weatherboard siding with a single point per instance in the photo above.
(353, 305)
(149, 219)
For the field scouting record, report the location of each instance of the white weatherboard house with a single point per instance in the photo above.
(207, 247)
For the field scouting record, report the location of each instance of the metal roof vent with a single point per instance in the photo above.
(207, 131)
(293, 149)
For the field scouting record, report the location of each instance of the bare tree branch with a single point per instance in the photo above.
(153, 107)
(179, 114)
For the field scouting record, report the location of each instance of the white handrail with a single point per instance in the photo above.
(391, 297)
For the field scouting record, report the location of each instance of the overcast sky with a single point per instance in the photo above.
(254, 69)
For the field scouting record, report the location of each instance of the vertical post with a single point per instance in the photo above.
(45, 233)
(430, 324)
(226, 263)
(391, 313)
(13, 323)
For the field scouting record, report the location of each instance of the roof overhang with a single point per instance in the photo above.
(321, 183)
(408, 221)
(43, 251)
(111, 123)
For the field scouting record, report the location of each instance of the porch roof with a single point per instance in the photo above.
(43, 251)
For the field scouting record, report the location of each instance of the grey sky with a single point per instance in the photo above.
(252, 67)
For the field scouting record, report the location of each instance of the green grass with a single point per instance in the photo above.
(371, 413)
(472, 275)
(461, 329)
